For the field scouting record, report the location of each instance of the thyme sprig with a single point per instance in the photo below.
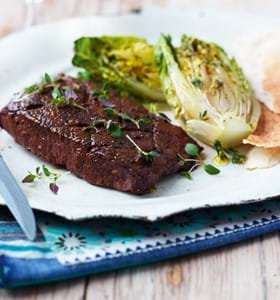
(224, 156)
(112, 127)
(102, 93)
(125, 117)
(61, 97)
(149, 156)
(44, 172)
(193, 150)
(164, 116)
(197, 82)
(39, 88)
(65, 97)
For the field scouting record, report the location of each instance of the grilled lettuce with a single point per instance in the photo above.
(207, 90)
(128, 63)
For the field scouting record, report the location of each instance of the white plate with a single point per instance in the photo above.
(25, 56)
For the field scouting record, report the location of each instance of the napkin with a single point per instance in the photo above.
(65, 249)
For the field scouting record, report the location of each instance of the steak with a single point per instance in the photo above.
(60, 133)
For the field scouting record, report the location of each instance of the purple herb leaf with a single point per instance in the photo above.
(106, 103)
(54, 187)
(70, 94)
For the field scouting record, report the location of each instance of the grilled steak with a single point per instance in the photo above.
(61, 134)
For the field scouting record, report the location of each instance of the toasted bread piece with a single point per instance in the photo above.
(267, 134)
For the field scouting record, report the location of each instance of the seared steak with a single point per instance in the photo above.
(61, 134)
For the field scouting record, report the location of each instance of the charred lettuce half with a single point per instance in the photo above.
(207, 90)
(127, 63)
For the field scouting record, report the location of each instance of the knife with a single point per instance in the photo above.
(16, 201)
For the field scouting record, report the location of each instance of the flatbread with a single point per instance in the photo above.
(271, 80)
(266, 140)
(261, 158)
(259, 57)
(267, 134)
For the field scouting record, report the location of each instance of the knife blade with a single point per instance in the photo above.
(16, 201)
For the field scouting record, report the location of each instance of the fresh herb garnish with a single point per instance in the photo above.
(96, 123)
(84, 75)
(224, 156)
(197, 82)
(65, 98)
(101, 93)
(56, 93)
(106, 103)
(32, 177)
(237, 157)
(110, 111)
(54, 188)
(144, 121)
(31, 89)
(193, 150)
(149, 156)
(69, 94)
(203, 116)
(46, 171)
(39, 88)
(42, 172)
(47, 79)
(164, 116)
(125, 117)
(211, 170)
(61, 96)
(112, 127)
(186, 174)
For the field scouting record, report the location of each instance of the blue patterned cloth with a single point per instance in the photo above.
(65, 249)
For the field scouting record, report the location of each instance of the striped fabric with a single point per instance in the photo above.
(65, 249)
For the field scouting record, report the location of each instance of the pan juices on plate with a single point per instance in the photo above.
(259, 57)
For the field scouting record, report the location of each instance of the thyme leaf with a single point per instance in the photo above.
(197, 82)
(43, 172)
(211, 170)
(47, 79)
(149, 156)
(193, 151)
(186, 174)
(31, 89)
(224, 156)
(112, 127)
(103, 92)
(125, 117)
(63, 98)
(164, 116)
(39, 88)
(115, 129)
(29, 178)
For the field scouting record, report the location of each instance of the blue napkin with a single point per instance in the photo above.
(65, 249)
